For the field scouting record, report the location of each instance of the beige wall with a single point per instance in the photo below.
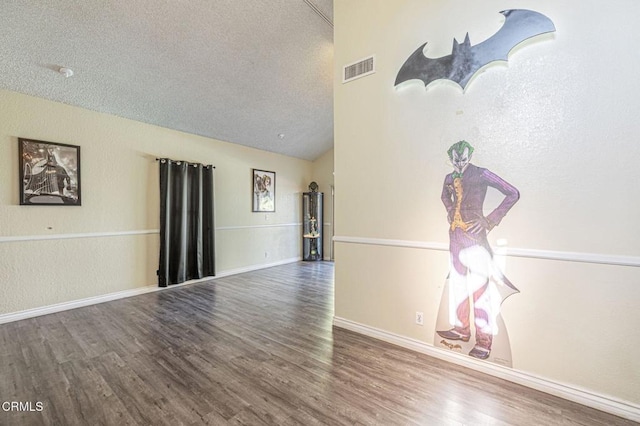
(323, 175)
(120, 199)
(559, 122)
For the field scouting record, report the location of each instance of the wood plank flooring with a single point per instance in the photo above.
(251, 349)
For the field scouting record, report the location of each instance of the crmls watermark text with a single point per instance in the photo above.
(22, 406)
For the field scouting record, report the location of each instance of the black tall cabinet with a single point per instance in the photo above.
(312, 208)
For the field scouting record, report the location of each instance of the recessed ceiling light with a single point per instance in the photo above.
(67, 72)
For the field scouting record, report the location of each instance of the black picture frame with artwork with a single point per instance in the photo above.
(263, 191)
(49, 173)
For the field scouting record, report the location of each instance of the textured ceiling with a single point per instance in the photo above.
(242, 71)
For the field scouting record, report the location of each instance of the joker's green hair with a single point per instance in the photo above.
(459, 148)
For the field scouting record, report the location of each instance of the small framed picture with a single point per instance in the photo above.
(49, 173)
(264, 191)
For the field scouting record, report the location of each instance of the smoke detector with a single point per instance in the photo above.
(66, 72)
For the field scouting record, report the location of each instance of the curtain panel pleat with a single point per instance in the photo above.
(187, 240)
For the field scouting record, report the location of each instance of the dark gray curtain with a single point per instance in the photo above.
(186, 222)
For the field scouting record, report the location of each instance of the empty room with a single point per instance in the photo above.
(319, 212)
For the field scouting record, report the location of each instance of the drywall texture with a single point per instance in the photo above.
(558, 122)
(120, 194)
(323, 176)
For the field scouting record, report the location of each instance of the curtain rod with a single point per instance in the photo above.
(182, 161)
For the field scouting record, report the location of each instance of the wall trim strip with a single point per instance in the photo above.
(276, 225)
(591, 399)
(604, 259)
(77, 235)
(22, 238)
(64, 306)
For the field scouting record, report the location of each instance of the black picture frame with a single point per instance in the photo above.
(263, 191)
(49, 173)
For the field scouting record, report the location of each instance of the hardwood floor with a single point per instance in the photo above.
(250, 349)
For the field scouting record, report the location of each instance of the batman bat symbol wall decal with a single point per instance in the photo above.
(466, 60)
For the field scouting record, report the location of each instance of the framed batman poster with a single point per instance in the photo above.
(49, 173)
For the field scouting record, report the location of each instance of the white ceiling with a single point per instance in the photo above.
(242, 71)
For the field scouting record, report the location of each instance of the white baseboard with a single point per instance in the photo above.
(64, 306)
(256, 267)
(585, 397)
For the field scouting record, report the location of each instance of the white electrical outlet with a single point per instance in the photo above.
(419, 318)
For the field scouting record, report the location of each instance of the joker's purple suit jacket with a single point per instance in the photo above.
(475, 181)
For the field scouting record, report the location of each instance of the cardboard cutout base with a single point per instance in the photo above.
(501, 347)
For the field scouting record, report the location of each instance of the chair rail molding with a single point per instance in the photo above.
(597, 258)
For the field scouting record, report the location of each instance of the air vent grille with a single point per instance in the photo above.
(359, 69)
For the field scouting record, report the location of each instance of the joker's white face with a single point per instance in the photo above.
(460, 161)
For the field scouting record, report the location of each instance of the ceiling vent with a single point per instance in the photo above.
(359, 69)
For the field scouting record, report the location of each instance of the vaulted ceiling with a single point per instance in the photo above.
(253, 72)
